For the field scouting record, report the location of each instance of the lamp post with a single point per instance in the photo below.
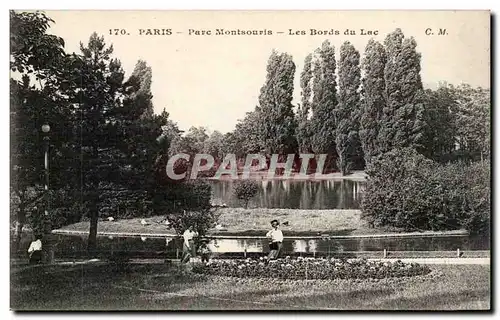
(46, 139)
(46, 219)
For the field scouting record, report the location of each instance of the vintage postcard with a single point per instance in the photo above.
(250, 160)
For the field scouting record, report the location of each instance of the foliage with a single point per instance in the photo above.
(470, 194)
(458, 123)
(35, 57)
(247, 136)
(275, 103)
(373, 101)
(441, 132)
(324, 102)
(309, 268)
(245, 190)
(140, 82)
(202, 221)
(303, 114)
(406, 190)
(96, 93)
(194, 140)
(402, 122)
(349, 110)
(188, 204)
(32, 50)
(214, 145)
(473, 121)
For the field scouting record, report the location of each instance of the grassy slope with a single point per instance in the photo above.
(256, 221)
(158, 287)
(238, 220)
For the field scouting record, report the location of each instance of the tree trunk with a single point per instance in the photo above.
(92, 240)
(342, 165)
(93, 209)
(19, 230)
(21, 218)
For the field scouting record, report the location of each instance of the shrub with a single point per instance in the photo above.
(310, 268)
(191, 195)
(189, 204)
(408, 191)
(245, 190)
(477, 204)
(201, 220)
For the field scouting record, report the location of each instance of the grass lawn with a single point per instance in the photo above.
(256, 221)
(162, 287)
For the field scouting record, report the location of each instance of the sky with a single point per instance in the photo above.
(213, 80)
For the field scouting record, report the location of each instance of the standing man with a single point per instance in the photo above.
(188, 249)
(275, 237)
(35, 250)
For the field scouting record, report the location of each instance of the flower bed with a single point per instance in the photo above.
(310, 268)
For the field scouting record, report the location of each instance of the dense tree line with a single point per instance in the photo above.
(362, 106)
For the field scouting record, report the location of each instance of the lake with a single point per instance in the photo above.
(289, 194)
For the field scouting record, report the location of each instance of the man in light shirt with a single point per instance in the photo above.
(188, 250)
(35, 251)
(275, 237)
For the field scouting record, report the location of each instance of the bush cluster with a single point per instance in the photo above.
(311, 268)
(245, 190)
(406, 190)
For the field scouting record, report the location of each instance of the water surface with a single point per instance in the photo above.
(323, 194)
(74, 246)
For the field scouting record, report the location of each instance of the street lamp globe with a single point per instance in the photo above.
(45, 128)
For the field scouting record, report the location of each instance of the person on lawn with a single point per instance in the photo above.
(188, 248)
(204, 250)
(275, 237)
(35, 250)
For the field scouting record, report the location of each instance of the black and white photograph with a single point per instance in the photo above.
(250, 160)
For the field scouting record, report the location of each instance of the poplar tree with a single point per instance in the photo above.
(373, 102)
(347, 137)
(324, 100)
(402, 122)
(303, 130)
(275, 101)
(141, 80)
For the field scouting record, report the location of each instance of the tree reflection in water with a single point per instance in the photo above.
(325, 194)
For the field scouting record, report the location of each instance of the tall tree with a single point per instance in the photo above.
(473, 120)
(324, 101)
(304, 110)
(373, 102)
(402, 122)
(214, 145)
(140, 81)
(348, 113)
(134, 149)
(194, 140)
(275, 102)
(35, 60)
(101, 120)
(440, 132)
(248, 134)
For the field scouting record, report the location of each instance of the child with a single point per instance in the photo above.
(204, 251)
